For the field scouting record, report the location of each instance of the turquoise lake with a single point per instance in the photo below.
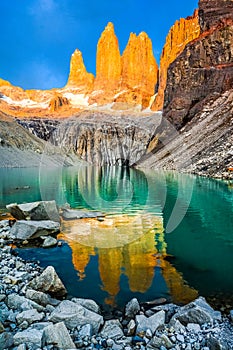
(164, 235)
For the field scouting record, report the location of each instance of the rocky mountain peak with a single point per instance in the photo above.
(79, 77)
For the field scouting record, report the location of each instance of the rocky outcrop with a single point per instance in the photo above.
(211, 12)
(139, 71)
(115, 139)
(58, 102)
(180, 34)
(108, 67)
(79, 77)
(205, 67)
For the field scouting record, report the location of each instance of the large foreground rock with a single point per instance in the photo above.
(198, 311)
(41, 298)
(74, 315)
(20, 303)
(58, 335)
(23, 229)
(144, 323)
(49, 282)
(31, 337)
(43, 210)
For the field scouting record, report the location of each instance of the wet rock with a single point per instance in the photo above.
(132, 308)
(6, 340)
(58, 335)
(49, 242)
(25, 230)
(41, 298)
(112, 329)
(30, 316)
(87, 303)
(74, 315)
(72, 214)
(152, 323)
(20, 303)
(49, 282)
(43, 210)
(31, 337)
(198, 311)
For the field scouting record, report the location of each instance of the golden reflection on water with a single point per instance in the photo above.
(125, 244)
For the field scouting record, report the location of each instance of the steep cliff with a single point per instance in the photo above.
(139, 71)
(78, 77)
(212, 12)
(108, 67)
(205, 67)
(112, 139)
(180, 34)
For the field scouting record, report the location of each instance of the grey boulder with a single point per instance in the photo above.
(198, 311)
(132, 308)
(87, 303)
(6, 340)
(153, 322)
(41, 298)
(49, 242)
(30, 316)
(58, 335)
(31, 337)
(42, 210)
(72, 214)
(112, 329)
(24, 230)
(49, 282)
(20, 303)
(74, 315)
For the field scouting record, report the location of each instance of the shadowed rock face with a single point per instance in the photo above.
(211, 12)
(101, 139)
(204, 69)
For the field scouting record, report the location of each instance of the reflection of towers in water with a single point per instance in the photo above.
(132, 245)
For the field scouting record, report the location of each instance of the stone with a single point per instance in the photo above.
(2, 329)
(74, 315)
(108, 66)
(20, 303)
(166, 341)
(231, 315)
(131, 327)
(112, 329)
(49, 282)
(58, 335)
(180, 338)
(58, 102)
(217, 343)
(72, 214)
(132, 308)
(198, 311)
(31, 337)
(153, 322)
(6, 340)
(49, 242)
(194, 327)
(30, 316)
(79, 77)
(86, 331)
(139, 71)
(43, 210)
(180, 34)
(22, 347)
(26, 230)
(41, 298)
(155, 342)
(88, 304)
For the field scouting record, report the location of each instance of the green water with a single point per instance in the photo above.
(180, 232)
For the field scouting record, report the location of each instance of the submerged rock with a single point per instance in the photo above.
(24, 230)
(43, 210)
(72, 214)
(49, 282)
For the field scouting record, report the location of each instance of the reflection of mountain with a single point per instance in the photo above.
(125, 245)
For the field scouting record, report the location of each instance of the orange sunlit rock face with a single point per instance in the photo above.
(79, 77)
(58, 102)
(180, 34)
(139, 71)
(108, 66)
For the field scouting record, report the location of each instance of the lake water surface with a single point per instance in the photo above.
(164, 235)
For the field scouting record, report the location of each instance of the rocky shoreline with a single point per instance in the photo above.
(35, 313)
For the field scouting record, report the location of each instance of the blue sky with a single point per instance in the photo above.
(39, 36)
